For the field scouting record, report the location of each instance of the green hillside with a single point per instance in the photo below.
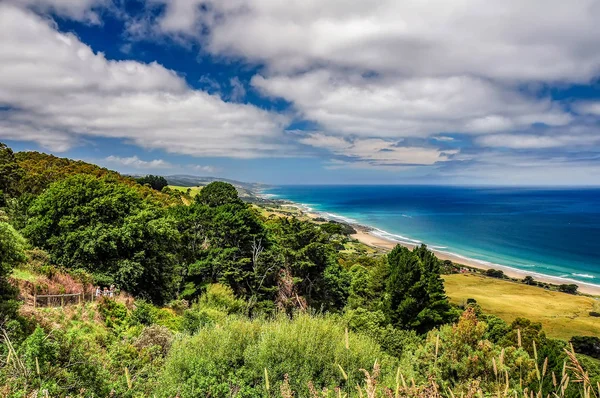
(109, 288)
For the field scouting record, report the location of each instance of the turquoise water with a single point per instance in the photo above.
(554, 232)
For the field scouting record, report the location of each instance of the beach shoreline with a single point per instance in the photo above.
(367, 235)
(364, 235)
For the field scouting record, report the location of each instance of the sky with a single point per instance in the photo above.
(498, 92)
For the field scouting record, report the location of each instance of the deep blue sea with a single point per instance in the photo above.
(539, 230)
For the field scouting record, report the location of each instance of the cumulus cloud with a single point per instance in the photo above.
(80, 10)
(411, 107)
(54, 85)
(377, 152)
(500, 39)
(138, 163)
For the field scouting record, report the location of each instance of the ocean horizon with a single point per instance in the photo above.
(549, 231)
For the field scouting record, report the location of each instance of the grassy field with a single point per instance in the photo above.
(193, 190)
(561, 314)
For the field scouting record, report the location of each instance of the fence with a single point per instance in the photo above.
(60, 300)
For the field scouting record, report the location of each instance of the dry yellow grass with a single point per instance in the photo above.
(562, 315)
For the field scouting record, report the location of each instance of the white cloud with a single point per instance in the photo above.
(443, 138)
(417, 107)
(138, 163)
(57, 90)
(238, 91)
(81, 10)
(588, 108)
(530, 141)
(545, 40)
(203, 169)
(378, 152)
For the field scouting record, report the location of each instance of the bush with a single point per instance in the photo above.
(570, 288)
(595, 314)
(155, 335)
(221, 297)
(113, 313)
(232, 358)
(143, 313)
(588, 345)
(196, 318)
(494, 273)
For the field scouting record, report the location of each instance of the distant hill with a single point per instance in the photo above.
(40, 170)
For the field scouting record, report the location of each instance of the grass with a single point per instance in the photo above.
(193, 190)
(562, 315)
(25, 275)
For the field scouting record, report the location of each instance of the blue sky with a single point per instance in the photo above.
(315, 91)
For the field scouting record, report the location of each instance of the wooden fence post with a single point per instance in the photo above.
(62, 301)
(34, 300)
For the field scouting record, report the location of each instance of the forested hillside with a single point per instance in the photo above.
(210, 298)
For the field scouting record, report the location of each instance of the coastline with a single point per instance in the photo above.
(364, 235)
(367, 236)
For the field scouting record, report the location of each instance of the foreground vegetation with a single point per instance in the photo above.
(220, 299)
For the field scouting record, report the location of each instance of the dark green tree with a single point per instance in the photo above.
(568, 288)
(416, 298)
(107, 228)
(311, 259)
(155, 182)
(10, 171)
(217, 194)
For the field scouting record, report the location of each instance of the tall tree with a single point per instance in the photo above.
(10, 171)
(108, 229)
(415, 291)
(155, 182)
(218, 193)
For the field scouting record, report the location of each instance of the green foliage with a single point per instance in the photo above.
(143, 313)
(113, 313)
(415, 290)
(336, 228)
(218, 194)
(233, 357)
(108, 229)
(494, 273)
(12, 246)
(155, 182)
(221, 297)
(568, 288)
(10, 173)
(588, 345)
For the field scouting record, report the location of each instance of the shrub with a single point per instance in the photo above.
(113, 313)
(196, 318)
(568, 288)
(179, 306)
(155, 335)
(588, 345)
(595, 314)
(143, 313)
(221, 297)
(232, 358)
(494, 273)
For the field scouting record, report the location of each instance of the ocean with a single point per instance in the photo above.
(554, 232)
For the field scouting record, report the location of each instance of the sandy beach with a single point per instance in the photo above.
(363, 235)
